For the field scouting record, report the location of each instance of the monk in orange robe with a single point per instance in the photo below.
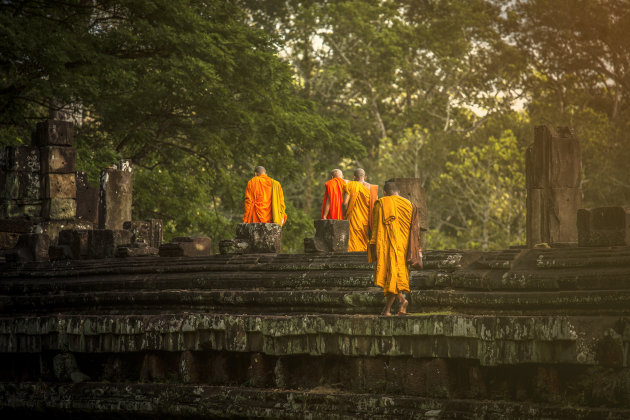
(391, 228)
(264, 199)
(358, 200)
(333, 196)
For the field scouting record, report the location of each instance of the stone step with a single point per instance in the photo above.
(488, 340)
(444, 260)
(205, 280)
(604, 278)
(583, 257)
(161, 401)
(323, 301)
(607, 278)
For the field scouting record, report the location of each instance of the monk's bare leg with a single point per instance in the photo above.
(389, 299)
(403, 304)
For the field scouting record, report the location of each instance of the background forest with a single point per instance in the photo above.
(197, 93)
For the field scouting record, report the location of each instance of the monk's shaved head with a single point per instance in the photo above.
(391, 188)
(336, 173)
(359, 174)
(260, 170)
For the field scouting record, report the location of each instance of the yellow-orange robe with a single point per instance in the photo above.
(264, 201)
(390, 233)
(333, 192)
(357, 215)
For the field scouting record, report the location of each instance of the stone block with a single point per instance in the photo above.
(20, 159)
(8, 240)
(188, 368)
(53, 133)
(232, 246)
(59, 208)
(87, 199)
(76, 240)
(261, 237)
(604, 226)
(16, 225)
(260, 370)
(136, 250)
(187, 247)
(57, 159)
(103, 243)
(53, 228)
(20, 209)
(309, 246)
(153, 368)
(60, 252)
(115, 196)
(20, 185)
(59, 186)
(147, 231)
(330, 236)
(30, 247)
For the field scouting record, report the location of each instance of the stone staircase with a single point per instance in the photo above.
(518, 333)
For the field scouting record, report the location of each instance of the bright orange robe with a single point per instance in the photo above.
(259, 200)
(390, 234)
(333, 191)
(357, 215)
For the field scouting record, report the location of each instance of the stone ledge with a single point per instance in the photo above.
(490, 340)
(579, 302)
(194, 401)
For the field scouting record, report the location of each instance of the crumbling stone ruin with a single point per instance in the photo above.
(48, 210)
(518, 333)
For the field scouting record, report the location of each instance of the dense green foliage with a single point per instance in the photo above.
(198, 93)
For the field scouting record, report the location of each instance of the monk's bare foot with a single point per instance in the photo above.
(386, 313)
(403, 308)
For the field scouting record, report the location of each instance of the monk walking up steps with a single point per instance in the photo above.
(358, 200)
(393, 244)
(264, 199)
(333, 196)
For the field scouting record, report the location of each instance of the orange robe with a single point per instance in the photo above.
(357, 215)
(333, 191)
(264, 201)
(390, 235)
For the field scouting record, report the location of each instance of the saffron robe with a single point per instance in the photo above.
(333, 193)
(357, 215)
(264, 201)
(390, 234)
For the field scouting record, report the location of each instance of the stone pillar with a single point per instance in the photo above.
(87, 199)
(553, 186)
(115, 196)
(330, 236)
(411, 189)
(57, 166)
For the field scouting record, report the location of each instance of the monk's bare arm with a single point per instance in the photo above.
(346, 200)
(327, 205)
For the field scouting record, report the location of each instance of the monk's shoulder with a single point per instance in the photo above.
(404, 202)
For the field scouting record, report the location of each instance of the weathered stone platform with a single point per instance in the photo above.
(537, 333)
